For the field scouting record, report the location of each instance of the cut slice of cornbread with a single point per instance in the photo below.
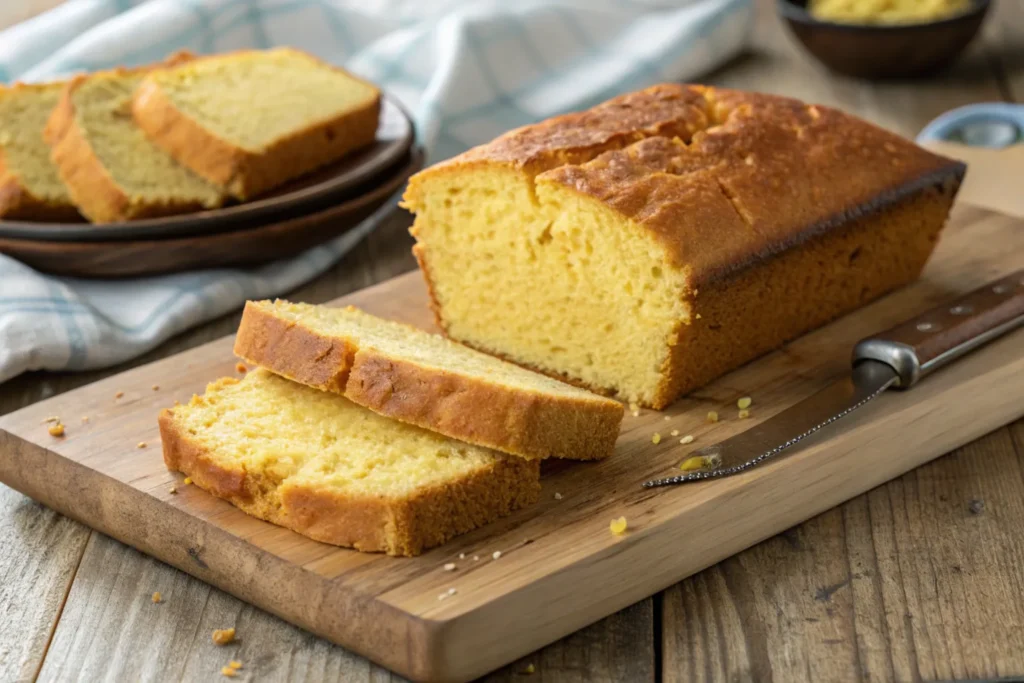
(112, 171)
(320, 465)
(658, 240)
(251, 120)
(427, 380)
(30, 188)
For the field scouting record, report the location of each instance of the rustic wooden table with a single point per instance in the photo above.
(919, 579)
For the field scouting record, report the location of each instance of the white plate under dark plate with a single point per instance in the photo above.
(351, 173)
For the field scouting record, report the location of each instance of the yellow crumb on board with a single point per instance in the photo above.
(223, 636)
(241, 368)
(743, 414)
(56, 429)
(744, 403)
(228, 671)
(235, 664)
(530, 668)
(188, 480)
(700, 462)
(686, 439)
(141, 444)
(618, 526)
(156, 387)
(656, 438)
(157, 597)
(119, 394)
(712, 416)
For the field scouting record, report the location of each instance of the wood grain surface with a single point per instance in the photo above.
(804, 561)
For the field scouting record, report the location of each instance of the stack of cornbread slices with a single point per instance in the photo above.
(187, 134)
(362, 432)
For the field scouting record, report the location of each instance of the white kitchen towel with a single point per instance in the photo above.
(467, 69)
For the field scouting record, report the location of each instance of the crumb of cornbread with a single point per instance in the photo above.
(223, 636)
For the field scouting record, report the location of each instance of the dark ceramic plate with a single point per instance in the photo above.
(251, 245)
(348, 177)
(884, 51)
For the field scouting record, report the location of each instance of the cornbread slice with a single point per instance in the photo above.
(112, 171)
(320, 465)
(30, 188)
(652, 243)
(427, 380)
(251, 120)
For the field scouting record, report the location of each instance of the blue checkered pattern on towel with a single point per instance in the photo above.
(467, 69)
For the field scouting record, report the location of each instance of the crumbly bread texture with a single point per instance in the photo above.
(30, 188)
(654, 242)
(112, 171)
(251, 120)
(427, 380)
(320, 465)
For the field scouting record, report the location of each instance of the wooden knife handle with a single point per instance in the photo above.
(929, 341)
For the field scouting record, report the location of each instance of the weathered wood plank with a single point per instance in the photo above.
(617, 648)
(919, 579)
(39, 553)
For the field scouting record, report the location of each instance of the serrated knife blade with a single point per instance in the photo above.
(896, 358)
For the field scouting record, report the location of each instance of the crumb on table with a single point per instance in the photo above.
(157, 597)
(235, 664)
(744, 403)
(223, 636)
(188, 481)
(119, 394)
(618, 526)
(241, 368)
(141, 444)
(744, 414)
(712, 416)
(228, 671)
(56, 429)
(156, 387)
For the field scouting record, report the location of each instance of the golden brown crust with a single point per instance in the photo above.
(409, 526)
(754, 310)
(722, 178)
(246, 173)
(510, 419)
(293, 351)
(96, 194)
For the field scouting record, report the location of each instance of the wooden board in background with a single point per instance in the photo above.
(560, 568)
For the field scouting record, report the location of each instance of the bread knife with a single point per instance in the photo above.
(897, 358)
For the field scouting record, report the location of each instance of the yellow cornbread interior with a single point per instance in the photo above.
(24, 112)
(405, 343)
(145, 173)
(254, 99)
(284, 434)
(548, 278)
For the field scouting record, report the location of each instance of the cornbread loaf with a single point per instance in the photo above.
(112, 171)
(251, 120)
(319, 464)
(654, 242)
(427, 380)
(30, 188)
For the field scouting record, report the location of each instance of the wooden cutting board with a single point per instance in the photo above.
(560, 567)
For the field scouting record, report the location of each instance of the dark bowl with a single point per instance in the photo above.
(884, 51)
